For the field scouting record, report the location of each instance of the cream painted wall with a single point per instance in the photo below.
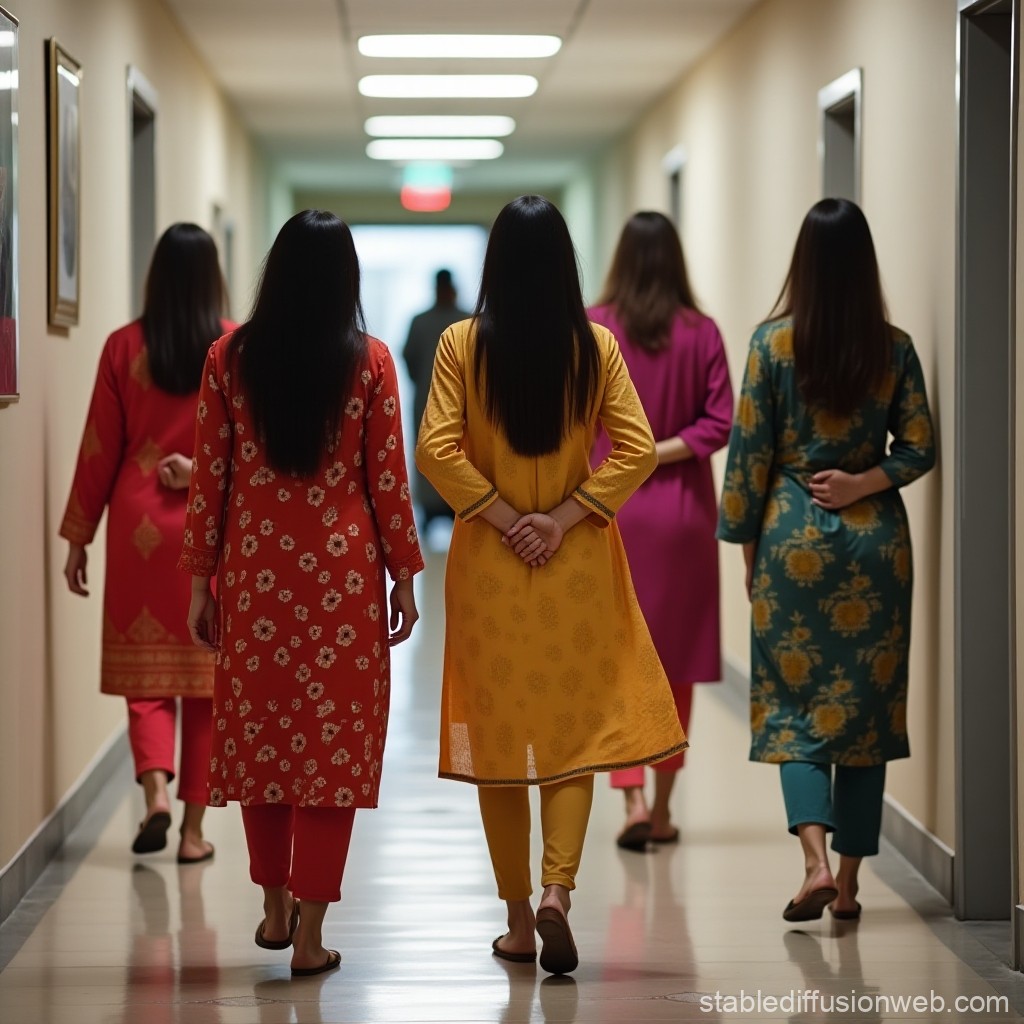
(747, 117)
(52, 717)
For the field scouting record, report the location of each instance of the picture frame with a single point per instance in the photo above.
(9, 332)
(63, 85)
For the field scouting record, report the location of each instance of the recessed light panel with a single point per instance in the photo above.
(448, 86)
(434, 149)
(456, 126)
(469, 46)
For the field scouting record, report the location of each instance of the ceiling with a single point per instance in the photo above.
(291, 68)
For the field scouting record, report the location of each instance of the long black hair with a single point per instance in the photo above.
(299, 350)
(842, 341)
(184, 301)
(647, 284)
(536, 355)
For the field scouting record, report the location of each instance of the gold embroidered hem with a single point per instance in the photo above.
(481, 503)
(590, 500)
(156, 670)
(197, 563)
(573, 773)
(76, 526)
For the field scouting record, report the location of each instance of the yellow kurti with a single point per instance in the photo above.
(549, 672)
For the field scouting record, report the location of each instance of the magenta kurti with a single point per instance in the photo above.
(668, 525)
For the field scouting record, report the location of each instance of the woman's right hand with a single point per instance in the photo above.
(535, 538)
(74, 569)
(403, 611)
(202, 615)
(175, 471)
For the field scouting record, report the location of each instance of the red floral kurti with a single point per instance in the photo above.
(303, 675)
(131, 426)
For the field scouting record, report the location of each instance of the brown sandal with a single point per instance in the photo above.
(558, 954)
(279, 943)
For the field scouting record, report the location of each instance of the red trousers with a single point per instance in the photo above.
(630, 777)
(151, 725)
(301, 848)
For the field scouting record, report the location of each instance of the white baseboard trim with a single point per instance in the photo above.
(926, 853)
(25, 867)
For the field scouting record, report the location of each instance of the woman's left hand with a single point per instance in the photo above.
(833, 489)
(175, 471)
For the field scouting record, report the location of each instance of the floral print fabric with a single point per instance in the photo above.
(302, 679)
(831, 595)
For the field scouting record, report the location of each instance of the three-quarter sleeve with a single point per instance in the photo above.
(99, 456)
(386, 477)
(633, 456)
(912, 452)
(751, 452)
(440, 455)
(710, 430)
(211, 475)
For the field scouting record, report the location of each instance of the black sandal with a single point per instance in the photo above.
(152, 834)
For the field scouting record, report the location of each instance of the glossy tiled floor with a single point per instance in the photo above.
(133, 941)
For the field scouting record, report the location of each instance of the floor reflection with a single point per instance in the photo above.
(833, 982)
(167, 967)
(657, 933)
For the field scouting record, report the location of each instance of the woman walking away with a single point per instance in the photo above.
(299, 501)
(812, 494)
(135, 459)
(550, 674)
(677, 362)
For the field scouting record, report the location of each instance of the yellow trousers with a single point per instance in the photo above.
(564, 813)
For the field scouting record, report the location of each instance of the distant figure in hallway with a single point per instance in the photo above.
(299, 501)
(136, 456)
(550, 673)
(812, 494)
(424, 332)
(676, 360)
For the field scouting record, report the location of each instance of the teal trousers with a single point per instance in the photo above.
(850, 806)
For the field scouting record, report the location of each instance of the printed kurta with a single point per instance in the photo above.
(132, 424)
(548, 672)
(668, 525)
(302, 682)
(830, 609)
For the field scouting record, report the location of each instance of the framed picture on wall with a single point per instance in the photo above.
(8, 207)
(63, 86)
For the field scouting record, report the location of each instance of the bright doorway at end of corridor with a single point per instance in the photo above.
(398, 264)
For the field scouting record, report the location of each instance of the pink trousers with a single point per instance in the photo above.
(634, 777)
(151, 725)
(301, 848)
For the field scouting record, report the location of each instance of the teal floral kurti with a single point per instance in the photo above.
(830, 603)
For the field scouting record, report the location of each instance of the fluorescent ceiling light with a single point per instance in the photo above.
(474, 46)
(447, 86)
(434, 149)
(456, 126)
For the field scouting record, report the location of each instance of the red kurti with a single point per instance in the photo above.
(132, 424)
(303, 675)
